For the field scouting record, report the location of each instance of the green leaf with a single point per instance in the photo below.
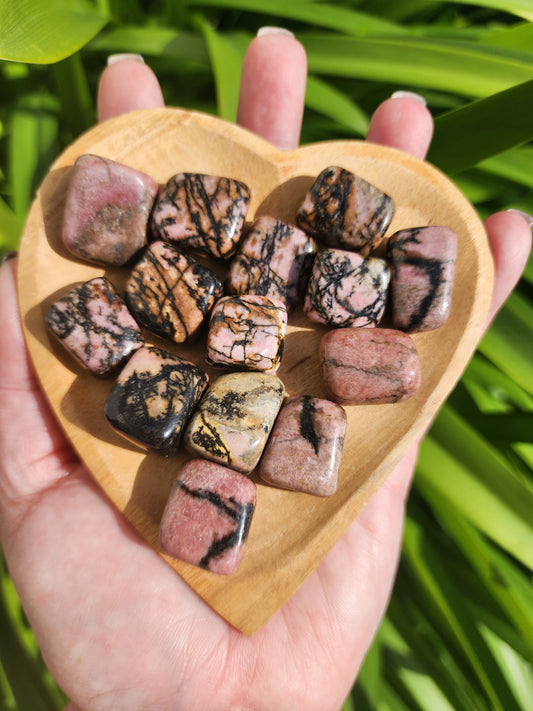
(468, 135)
(469, 474)
(10, 229)
(417, 61)
(521, 8)
(324, 98)
(327, 16)
(226, 61)
(45, 31)
(509, 341)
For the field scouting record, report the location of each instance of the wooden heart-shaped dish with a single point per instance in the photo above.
(290, 532)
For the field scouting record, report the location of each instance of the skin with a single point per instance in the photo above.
(117, 627)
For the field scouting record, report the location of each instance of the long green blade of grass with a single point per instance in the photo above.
(45, 31)
(324, 98)
(468, 135)
(521, 8)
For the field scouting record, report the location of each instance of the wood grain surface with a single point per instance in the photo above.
(290, 532)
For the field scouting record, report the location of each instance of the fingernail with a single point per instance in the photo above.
(528, 218)
(409, 95)
(115, 58)
(7, 256)
(262, 31)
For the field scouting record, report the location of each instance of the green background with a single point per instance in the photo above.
(458, 634)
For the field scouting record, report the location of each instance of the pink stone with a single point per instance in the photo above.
(343, 210)
(94, 325)
(305, 448)
(368, 366)
(153, 398)
(171, 293)
(423, 268)
(247, 332)
(107, 209)
(232, 423)
(203, 213)
(271, 261)
(346, 289)
(208, 516)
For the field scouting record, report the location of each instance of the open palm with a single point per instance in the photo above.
(117, 627)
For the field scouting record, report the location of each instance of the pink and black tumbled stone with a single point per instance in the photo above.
(107, 209)
(368, 366)
(247, 333)
(423, 269)
(343, 210)
(170, 293)
(154, 397)
(305, 447)
(207, 517)
(203, 213)
(94, 325)
(272, 261)
(346, 289)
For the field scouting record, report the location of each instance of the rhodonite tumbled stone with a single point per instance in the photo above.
(343, 210)
(170, 293)
(247, 333)
(94, 325)
(271, 261)
(232, 423)
(154, 397)
(208, 516)
(203, 213)
(106, 211)
(423, 268)
(305, 448)
(368, 366)
(346, 289)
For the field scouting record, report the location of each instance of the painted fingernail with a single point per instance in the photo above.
(267, 30)
(7, 256)
(409, 95)
(528, 218)
(115, 58)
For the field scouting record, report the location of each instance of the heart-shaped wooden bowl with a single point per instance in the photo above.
(290, 532)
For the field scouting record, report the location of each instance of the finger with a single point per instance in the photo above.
(403, 122)
(509, 235)
(273, 79)
(127, 84)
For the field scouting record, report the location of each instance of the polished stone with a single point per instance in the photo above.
(203, 213)
(106, 211)
(232, 423)
(305, 447)
(368, 366)
(247, 333)
(154, 397)
(422, 276)
(346, 289)
(208, 516)
(271, 261)
(343, 210)
(170, 293)
(94, 325)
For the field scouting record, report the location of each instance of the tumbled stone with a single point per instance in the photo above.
(208, 516)
(305, 447)
(232, 423)
(423, 268)
(204, 213)
(106, 211)
(346, 289)
(154, 397)
(170, 293)
(94, 325)
(271, 261)
(247, 333)
(368, 366)
(343, 210)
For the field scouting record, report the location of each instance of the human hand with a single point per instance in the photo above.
(117, 627)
